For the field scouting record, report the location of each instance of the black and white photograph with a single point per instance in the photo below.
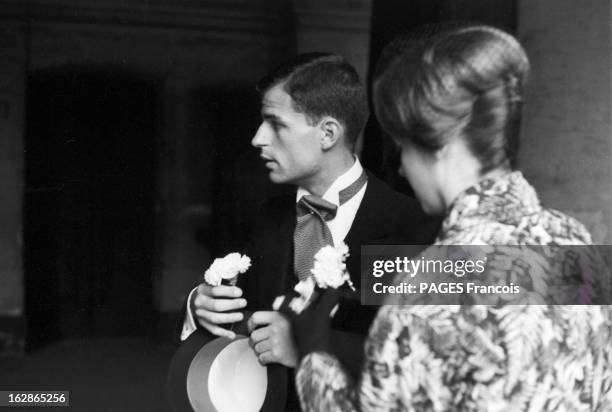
(306, 205)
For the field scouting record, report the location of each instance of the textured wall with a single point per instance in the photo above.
(337, 26)
(566, 148)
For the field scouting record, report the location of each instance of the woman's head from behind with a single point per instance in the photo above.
(451, 98)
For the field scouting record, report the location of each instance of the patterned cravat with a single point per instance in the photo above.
(311, 231)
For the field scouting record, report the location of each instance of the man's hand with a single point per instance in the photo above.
(271, 338)
(212, 305)
(312, 327)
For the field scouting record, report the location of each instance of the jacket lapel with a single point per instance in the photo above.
(369, 222)
(369, 226)
(372, 224)
(277, 263)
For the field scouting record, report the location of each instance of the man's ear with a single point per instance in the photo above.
(332, 132)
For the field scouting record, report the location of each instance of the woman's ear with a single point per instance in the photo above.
(443, 152)
(332, 132)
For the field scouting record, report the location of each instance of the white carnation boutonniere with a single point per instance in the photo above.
(329, 270)
(227, 269)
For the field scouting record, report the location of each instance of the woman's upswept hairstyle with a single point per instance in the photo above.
(442, 82)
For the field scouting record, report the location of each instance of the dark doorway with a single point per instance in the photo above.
(240, 183)
(88, 227)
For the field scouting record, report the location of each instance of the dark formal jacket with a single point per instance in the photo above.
(384, 217)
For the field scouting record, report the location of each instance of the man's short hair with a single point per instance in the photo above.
(323, 84)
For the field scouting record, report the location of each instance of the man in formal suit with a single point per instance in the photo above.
(313, 109)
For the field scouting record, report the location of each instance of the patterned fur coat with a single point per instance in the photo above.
(477, 357)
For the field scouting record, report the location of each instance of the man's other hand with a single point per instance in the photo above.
(213, 305)
(271, 338)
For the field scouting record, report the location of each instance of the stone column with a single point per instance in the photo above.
(566, 147)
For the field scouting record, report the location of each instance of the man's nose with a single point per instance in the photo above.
(260, 137)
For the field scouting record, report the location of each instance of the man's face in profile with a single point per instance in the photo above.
(290, 145)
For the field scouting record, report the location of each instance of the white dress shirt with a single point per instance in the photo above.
(339, 226)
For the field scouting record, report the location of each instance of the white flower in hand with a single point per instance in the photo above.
(228, 267)
(329, 268)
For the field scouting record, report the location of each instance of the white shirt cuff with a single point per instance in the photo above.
(189, 325)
